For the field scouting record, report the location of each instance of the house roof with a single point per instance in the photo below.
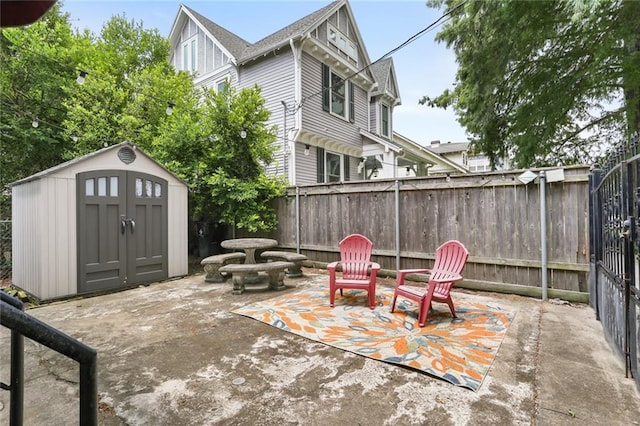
(381, 70)
(297, 29)
(234, 44)
(244, 51)
(449, 147)
(417, 149)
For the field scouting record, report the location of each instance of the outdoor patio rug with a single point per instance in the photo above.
(460, 350)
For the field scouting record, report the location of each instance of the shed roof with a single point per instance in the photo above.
(82, 158)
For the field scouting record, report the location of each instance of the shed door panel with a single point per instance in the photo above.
(147, 242)
(101, 248)
(122, 229)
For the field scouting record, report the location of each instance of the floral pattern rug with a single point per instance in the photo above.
(458, 350)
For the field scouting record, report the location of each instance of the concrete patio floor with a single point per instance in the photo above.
(171, 353)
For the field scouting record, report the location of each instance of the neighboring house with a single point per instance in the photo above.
(416, 160)
(332, 106)
(460, 153)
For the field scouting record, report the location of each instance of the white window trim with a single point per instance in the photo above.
(192, 61)
(326, 166)
(345, 106)
(221, 81)
(382, 107)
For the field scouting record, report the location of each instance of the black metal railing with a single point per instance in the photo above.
(21, 324)
(614, 216)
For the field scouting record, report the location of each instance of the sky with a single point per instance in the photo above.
(423, 68)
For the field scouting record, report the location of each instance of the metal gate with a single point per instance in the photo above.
(614, 275)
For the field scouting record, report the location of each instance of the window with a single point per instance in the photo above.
(338, 95)
(385, 121)
(334, 171)
(221, 85)
(334, 94)
(332, 167)
(190, 55)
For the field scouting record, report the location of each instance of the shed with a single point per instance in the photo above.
(107, 220)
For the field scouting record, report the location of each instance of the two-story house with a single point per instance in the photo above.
(332, 105)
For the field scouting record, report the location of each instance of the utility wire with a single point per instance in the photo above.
(171, 103)
(410, 40)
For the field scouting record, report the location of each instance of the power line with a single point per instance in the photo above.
(389, 53)
(82, 72)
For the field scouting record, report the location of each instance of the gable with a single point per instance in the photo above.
(339, 34)
(201, 46)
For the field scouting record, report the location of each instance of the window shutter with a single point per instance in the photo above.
(326, 87)
(320, 164)
(346, 168)
(352, 102)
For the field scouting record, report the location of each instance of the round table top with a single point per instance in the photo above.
(249, 243)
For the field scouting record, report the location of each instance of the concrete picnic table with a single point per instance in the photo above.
(249, 245)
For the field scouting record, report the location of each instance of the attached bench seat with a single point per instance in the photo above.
(296, 258)
(240, 271)
(213, 263)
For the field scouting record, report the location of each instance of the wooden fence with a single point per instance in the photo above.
(495, 215)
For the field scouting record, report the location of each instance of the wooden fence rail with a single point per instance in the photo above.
(495, 215)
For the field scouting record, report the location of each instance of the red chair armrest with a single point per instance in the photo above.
(402, 273)
(332, 265)
(447, 278)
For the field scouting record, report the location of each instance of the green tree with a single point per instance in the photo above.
(127, 90)
(544, 82)
(203, 144)
(37, 64)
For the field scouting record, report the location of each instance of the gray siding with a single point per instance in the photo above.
(306, 166)
(275, 76)
(306, 173)
(316, 120)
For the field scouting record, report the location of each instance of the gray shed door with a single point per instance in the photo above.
(122, 229)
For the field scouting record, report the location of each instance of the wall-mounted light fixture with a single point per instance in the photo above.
(81, 77)
(170, 106)
(408, 172)
(243, 133)
(306, 150)
(375, 173)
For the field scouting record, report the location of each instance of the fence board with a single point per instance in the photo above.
(493, 214)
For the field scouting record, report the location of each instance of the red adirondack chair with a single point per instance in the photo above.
(355, 255)
(449, 263)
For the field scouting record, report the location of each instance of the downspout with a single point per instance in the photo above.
(297, 57)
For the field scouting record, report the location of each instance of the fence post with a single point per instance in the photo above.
(628, 253)
(595, 237)
(397, 208)
(543, 231)
(297, 219)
